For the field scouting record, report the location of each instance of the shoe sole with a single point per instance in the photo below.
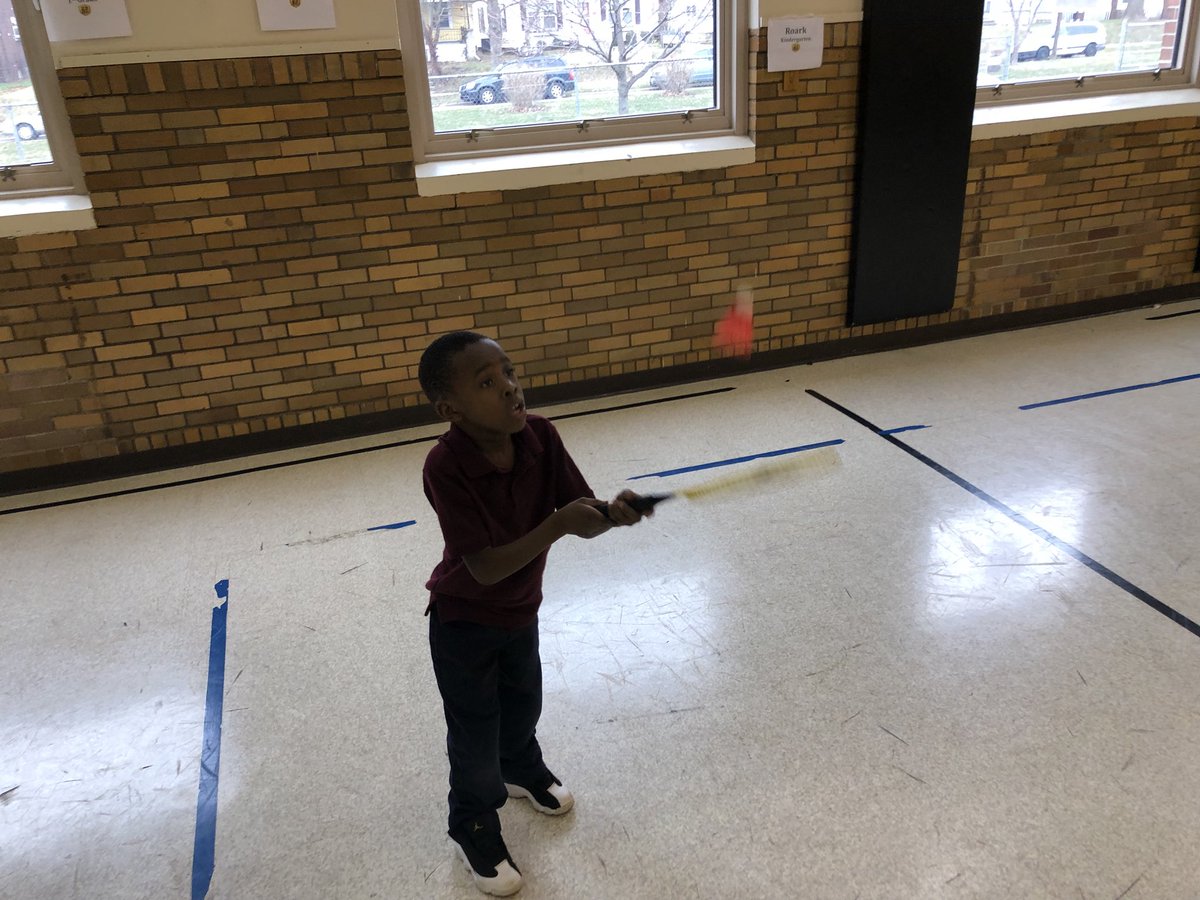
(494, 892)
(515, 790)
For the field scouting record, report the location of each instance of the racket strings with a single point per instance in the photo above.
(824, 458)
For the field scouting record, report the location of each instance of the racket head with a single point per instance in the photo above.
(805, 463)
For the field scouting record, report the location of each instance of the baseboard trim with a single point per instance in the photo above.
(148, 461)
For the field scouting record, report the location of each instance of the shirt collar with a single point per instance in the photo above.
(526, 445)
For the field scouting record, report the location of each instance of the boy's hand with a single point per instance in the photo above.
(582, 519)
(622, 512)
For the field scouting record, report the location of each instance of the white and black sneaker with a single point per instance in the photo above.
(553, 799)
(481, 848)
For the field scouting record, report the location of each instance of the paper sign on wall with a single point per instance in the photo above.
(795, 43)
(290, 15)
(78, 20)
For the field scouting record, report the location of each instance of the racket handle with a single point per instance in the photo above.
(643, 504)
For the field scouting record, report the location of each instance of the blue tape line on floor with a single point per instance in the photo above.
(204, 851)
(393, 526)
(1120, 390)
(737, 459)
(905, 428)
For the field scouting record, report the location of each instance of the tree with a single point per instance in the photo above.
(495, 28)
(631, 49)
(433, 15)
(1024, 14)
(497, 20)
(1134, 9)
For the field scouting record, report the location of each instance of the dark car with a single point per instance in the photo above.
(489, 88)
(699, 71)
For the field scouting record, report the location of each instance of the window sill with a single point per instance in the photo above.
(1010, 119)
(524, 170)
(46, 214)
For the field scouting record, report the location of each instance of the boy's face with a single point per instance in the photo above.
(485, 397)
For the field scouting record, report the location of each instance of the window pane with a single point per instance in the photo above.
(1042, 40)
(550, 61)
(22, 132)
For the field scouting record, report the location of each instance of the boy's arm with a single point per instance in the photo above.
(579, 518)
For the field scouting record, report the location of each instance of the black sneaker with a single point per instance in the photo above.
(553, 799)
(482, 850)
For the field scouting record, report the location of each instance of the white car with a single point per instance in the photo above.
(27, 122)
(1073, 38)
(699, 70)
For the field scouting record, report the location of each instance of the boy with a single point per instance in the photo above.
(504, 489)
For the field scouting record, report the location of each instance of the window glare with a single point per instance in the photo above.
(1033, 41)
(553, 61)
(22, 131)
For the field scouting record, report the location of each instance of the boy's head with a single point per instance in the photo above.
(436, 369)
(471, 381)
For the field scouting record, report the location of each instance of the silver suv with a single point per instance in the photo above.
(1073, 38)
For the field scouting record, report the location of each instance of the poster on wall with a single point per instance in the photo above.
(291, 15)
(795, 43)
(79, 20)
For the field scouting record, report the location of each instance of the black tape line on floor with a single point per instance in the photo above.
(326, 456)
(635, 405)
(1099, 568)
(1186, 312)
(215, 476)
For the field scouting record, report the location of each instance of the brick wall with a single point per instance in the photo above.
(1069, 216)
(263, 260)
(1171, 15)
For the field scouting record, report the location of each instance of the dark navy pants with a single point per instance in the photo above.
(491, 686)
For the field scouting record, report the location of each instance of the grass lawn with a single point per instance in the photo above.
(15, 100)
(1140, 52)
(23, 153)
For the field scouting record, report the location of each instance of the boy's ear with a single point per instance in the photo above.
(445, 411)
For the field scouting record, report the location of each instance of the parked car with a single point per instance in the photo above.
(489, 88)
(700, 70)
(27, 123)
(1073, 38)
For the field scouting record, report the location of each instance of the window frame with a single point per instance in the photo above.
(64, 174)
(1185, 75)
(729, 118)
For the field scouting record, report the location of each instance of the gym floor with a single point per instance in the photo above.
(964, 663)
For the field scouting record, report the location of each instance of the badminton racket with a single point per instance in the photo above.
(813, 462)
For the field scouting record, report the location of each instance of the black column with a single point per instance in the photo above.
(916, 101)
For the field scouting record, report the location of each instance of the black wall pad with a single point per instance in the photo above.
(916, 103)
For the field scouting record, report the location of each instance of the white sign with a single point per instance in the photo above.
(294, 15)
(78, 20)
(795, 43)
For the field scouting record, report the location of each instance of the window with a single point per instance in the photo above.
(37, 154)
(548, 75)
(1044, 48)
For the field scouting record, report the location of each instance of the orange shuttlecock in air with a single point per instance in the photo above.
(735, 331)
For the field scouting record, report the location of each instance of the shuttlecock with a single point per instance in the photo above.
(735, 331)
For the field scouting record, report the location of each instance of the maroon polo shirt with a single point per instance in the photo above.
(479, 506)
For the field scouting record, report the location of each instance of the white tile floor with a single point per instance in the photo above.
(869, 684)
